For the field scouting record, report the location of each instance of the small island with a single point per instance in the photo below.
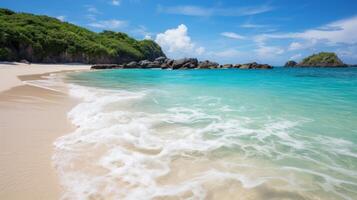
(322, 59)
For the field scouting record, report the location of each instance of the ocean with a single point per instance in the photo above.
(286, 133)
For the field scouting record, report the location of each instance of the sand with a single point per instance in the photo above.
(31, 118)
(9, 72)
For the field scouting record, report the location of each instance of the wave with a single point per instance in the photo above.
(121, 150)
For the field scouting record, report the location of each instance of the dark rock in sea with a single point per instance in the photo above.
(187, 63)
(155, 64)
(226, 66)
(255, 65)
(132, 64)
(169, 62)
(290, 63)
(143, 63)
(164, 66)
(107, 66)
(207, 65)
(245, 66)
(237, 66)
(184, 63)
(160, 59)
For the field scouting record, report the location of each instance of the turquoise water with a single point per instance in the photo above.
(215, 134)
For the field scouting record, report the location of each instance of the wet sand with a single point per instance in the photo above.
(31, 118)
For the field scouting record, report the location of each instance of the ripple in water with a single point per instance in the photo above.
(155, 138)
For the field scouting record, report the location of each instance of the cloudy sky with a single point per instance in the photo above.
(227, 31)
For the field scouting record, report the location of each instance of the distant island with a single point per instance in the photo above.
(322, 59)
(43, 39)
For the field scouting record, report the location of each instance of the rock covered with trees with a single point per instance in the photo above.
(322, 59)
(43, 39)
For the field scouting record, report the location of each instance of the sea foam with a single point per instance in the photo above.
(123, 149)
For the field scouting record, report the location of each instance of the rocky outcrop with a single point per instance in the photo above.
(290, 63)
(184, 63)
(322, 59)
(227, 66)
(207, 65)
(107, 66)
(255, 65)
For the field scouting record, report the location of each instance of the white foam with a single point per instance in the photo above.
(126, 151)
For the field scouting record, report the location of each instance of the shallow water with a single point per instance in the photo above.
(211, 134)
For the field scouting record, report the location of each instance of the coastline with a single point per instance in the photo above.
(31, 119)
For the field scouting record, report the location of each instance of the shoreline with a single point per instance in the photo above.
(31, 119)
(11, 71)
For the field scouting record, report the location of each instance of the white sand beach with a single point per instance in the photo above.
(31, 118)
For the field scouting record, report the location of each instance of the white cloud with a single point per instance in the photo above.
(109, 24)
(147, 37)
(295, 46)
(142, 31)
(115, 2)
(61, 17)
(200, 50)
(232, 35)
(295, 57)
(269, 51)
(349, 52)
(190, 10)
(255, 10)
(229, 53)
(177, 42)
(250, 25)
(342, 31)
(187, 10)
(92, 9)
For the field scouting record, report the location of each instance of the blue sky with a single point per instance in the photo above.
(226, 31)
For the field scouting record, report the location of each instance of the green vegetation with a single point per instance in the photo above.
(46, 39)
(322, 59)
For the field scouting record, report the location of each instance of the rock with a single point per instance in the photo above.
(25, 61)
(237, 66)
(107, 66)
(132, 64)
(245, 66)
(169, 62)
(185, 63)
(144, 63)
(255, 65)
(189, 65)
(155, 64)
(290, 63)
(264, 66)
(226, 66)
(160, 59)
(207, 65)
(178, 63)
(164, 66)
